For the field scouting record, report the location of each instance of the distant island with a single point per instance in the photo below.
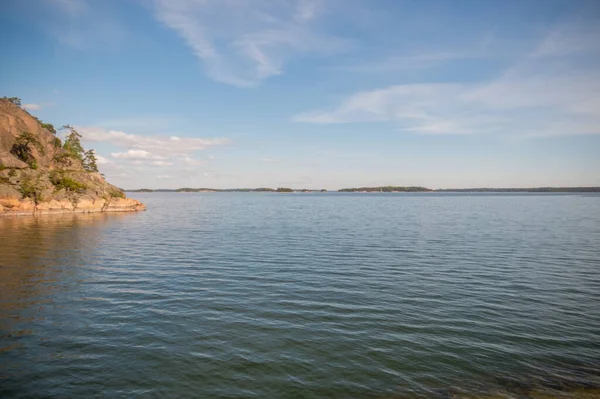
(382, 189)
(227, 190)
(525, 190)
(385, 189)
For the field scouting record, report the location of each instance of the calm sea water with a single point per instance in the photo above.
(258, 295)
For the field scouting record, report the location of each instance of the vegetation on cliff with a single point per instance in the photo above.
(38, 172)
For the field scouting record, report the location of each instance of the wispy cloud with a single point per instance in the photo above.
(100, 160)
(32, 107)
(552, 90)
(244, 42)
(150, 146)
(136, 154)
(86, 25)
(74, 8)
(139, 151)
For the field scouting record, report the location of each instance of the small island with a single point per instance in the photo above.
(385, 189)
(40, 174)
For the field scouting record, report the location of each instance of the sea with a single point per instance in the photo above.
(305, 295)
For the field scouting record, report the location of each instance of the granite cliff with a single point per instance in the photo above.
(41, 174)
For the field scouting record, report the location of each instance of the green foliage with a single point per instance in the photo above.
(284, 190)
(90, 161)
(73, 143)
(63, 159)
(116, 193)
(49, 127)
(14, 100)
(2, 167)
(22, 148)
(12, 173)
(63, 182)
(57, 143)
(31, 189)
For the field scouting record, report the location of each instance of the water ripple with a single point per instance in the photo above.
(312, 295)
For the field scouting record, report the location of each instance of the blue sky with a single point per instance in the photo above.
(316, 93)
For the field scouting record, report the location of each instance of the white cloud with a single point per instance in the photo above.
(144, 147)
(147, 154)
(162, 163)
(32, 107)
(136, 155)
(243, 42)
(192, 161)
(520, 106)
(100, 160)
(549, 91)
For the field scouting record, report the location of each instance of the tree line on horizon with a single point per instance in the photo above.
(383, 189)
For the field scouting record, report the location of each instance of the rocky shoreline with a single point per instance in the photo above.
(39, 174)
(14, 207)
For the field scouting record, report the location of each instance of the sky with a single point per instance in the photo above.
(316, 93)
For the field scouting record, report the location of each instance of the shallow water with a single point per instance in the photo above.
(262, 295)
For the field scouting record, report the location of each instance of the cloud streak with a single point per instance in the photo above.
(143, 147)
(244, 42)
(553, 90)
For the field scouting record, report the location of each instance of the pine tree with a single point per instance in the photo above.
(90, 161)
(73, 143)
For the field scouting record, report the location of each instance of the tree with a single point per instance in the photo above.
(14, 100)
(49, 127)
(22, 148)
(90, 161)
(73, 143)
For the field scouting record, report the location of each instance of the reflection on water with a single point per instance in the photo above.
(312, 295)
(39, 259)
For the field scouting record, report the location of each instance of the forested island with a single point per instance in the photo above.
(385, 189)
(382, 189)
(524, 190)
(228, 190)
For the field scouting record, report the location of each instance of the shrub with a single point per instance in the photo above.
(14, 100)
(22, 148)
(116, 193)
(12, 173)
(31, 189)
(49, 127)
(56, 142)
(62, 182)
(63, 159)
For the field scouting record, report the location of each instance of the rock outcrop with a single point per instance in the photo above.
(38, 175)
